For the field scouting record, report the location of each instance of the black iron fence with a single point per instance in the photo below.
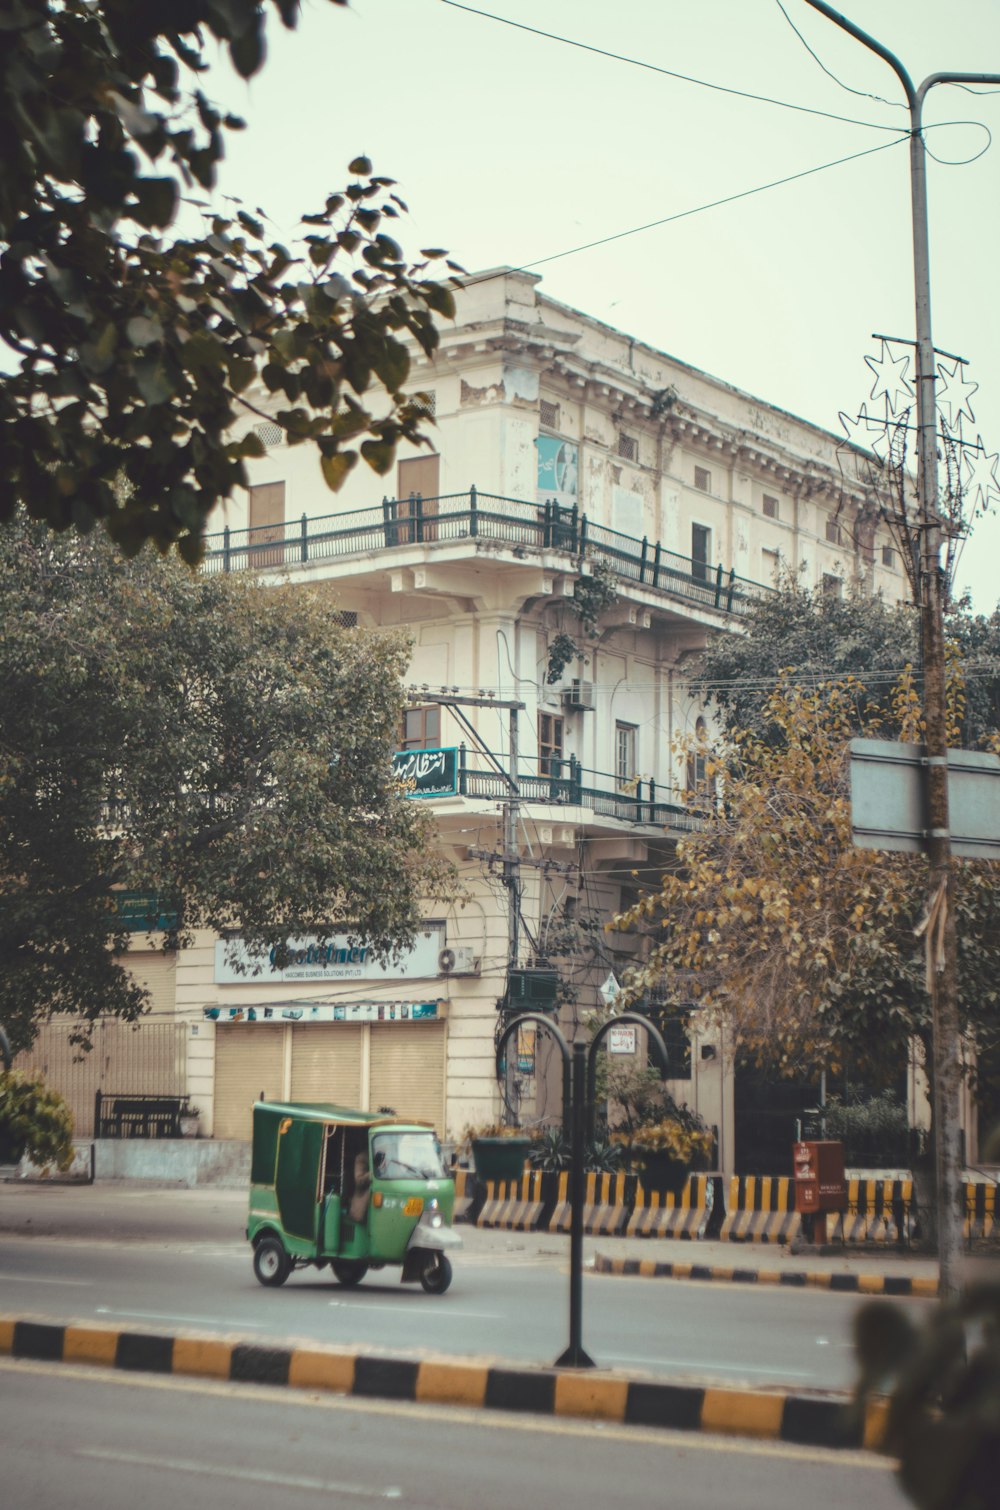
(485, 517)
(141, 1116)
(568, 783)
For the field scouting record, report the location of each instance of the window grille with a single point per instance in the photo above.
(269, 433)
(628, 447)
(770, 506)
(703, 479)
(426, 403)
(548, 413)
(888, 556)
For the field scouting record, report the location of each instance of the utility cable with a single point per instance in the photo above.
(684, 78)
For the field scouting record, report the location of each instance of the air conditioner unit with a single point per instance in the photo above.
(461, 960)
(579, 695)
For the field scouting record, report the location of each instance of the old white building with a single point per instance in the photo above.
(564, 452)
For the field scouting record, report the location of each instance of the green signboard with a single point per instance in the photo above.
(142, 912)
(433, 773)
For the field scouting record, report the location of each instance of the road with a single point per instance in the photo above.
(507, 1304)
(102, 1441)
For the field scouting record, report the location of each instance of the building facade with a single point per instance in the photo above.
(550, 727)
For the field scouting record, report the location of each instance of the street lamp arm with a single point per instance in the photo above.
(953, 78)
(542, 1021)
(912, 95)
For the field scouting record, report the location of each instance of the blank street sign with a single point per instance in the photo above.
(888, 804)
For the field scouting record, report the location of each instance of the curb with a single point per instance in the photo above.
(806, 1420)
(864, 1284)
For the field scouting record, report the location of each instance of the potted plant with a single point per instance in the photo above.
(498, 1151)
(189, 1121)
(668, 1149)
(33, 1121)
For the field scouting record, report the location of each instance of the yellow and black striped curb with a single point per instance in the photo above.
(924, 1286)
(807, 1420)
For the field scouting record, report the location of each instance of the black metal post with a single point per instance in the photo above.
(575, 1356)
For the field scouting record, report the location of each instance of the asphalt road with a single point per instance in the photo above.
(507, 1300)
(101, 1441)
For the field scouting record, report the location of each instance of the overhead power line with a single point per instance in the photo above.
(670, 73)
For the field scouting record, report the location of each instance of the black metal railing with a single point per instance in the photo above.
(399, 522)
(568, 783)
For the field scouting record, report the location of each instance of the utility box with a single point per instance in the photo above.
(820, 1184)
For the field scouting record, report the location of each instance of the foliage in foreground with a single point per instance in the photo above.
(132, 353)
(216, 747)
(944, 1410)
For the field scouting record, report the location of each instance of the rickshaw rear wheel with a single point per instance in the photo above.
(271, 1264)
(437, 1275)
(349, 1271)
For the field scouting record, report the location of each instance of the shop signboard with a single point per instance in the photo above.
(336, 959)
(430, 773)
(557, 471)
(304, 1012)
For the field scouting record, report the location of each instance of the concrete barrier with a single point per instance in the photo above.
(760, 1209)
(605, 1204)
(663, 1214)
(878, 1211)
(514, 1205)
(980, 1209)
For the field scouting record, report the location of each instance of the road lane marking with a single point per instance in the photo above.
(173, 1316)
(37, 1279)
(242, 1475)
(378, 1305)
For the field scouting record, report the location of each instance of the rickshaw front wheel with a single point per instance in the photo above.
(349, 1271)
(271, 1263)
(436, 1276)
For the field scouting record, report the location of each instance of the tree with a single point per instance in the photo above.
(775, 919)
(204, 741)
(818, 637)
(134, 353)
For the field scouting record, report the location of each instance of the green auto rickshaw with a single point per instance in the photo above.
(356, 1190)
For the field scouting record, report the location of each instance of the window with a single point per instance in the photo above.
(701, 542)
(426, 403)
(770, 506)
(628, 446)
(770, 562)
(703, 479)
(268, 433)
(833, 532)
(548, 414)
(888, 556)
(422, 728)
(832, 586)
(625, 755)
(550, 744)
(266, 518)
(700, 785)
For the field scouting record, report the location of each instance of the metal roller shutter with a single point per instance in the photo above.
(249, 1059)
(408, 1070)
(326, 1063)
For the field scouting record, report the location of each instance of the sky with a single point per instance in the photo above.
(510, 148)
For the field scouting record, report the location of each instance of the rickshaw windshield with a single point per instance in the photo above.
(407, 1155)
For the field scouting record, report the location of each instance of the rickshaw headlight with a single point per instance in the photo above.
(433, 1213)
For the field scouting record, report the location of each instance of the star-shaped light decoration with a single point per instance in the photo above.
(982, 483)
(863, 433)
(954, 394)
(891, 382)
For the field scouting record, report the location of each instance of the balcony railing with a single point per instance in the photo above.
(480, 516)
(568, 783)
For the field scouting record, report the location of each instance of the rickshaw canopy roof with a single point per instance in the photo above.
(328, 1111)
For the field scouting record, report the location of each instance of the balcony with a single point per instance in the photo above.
(476, 517)
(545, 781)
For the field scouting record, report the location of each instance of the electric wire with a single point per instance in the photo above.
(670, 73)
(861, 93)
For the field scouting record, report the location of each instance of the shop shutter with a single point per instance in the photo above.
(326, 1063)
(157, 972)
(408, 1070)
(249, 1059)
(142, 1059)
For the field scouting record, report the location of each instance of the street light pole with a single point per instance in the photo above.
(943, 962)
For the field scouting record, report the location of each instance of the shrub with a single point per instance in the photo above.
(35, 1120)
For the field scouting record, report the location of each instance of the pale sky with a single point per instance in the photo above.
(509, 147)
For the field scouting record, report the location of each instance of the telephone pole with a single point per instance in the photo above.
(942, 952)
